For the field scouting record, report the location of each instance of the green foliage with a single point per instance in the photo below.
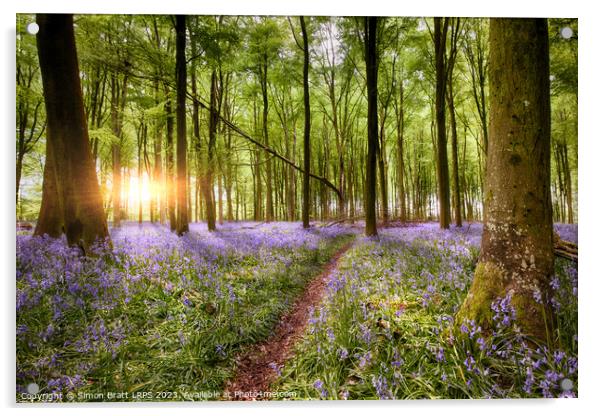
(141, 48)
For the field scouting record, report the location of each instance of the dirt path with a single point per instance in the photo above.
(257, 368)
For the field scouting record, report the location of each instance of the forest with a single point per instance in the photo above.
(295, 208)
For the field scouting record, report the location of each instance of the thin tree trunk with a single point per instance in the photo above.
(208, 185)
(169, 167)
(269, 208)
(370, 30)
(307, 126)
(400, 161)
(454, 146)
(182, 207)
(157, 188)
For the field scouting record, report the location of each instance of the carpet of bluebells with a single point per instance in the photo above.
(161, 313)
(384, 329)
(156, 312)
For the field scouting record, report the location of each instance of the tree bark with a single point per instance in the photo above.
(307, 126)
(50, 218)
(400, 127)
(517, 247)
(182, 207)
(370, 29)
(440, 37)
(118, 95)
(157, 188)
(454, 146)
(208, 185)
(76, 183)
(169, 168)
(269, 193)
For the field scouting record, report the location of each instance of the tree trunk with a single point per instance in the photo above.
(440, 37)
(182, 207)
(157, 188)
(208, 185)
(568, 187)
(517, 247)
(220, 193)
(196, 130)
(78, 191)
(50, 219)
(116, 93)
(139, 172)
(307, 126)
(169, 171)
(400, 161)
(269, 192)
(370, 27)
(454, 145)
(382, 173)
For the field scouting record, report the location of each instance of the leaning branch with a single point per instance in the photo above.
(267, 149)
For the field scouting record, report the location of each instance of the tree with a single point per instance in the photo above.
(440, 37)
(265, 43)
(118, 100)
(307, 126)
(370, 31)
(475, 51)
(169, 162)
(70, 169)
(30, 117)
(455, 31)
(182, 206)
(517, 250)
(50, 218)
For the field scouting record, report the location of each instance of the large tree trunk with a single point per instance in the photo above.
(517, 250)
(76, 182)
(307, 127)
(372, 91)
(182, 207)
(440, 37)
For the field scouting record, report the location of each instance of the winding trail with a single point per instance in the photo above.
(257, 367)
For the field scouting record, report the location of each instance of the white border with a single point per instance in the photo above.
(589, 198)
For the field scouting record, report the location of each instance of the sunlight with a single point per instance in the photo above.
(140, 190)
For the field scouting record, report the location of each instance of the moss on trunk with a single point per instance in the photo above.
(517, 249)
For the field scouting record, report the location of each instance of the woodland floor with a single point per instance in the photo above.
(258, 367)
(262, 311)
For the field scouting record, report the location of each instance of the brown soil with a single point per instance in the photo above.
(257, 367)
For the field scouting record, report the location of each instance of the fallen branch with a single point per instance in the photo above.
(267, 149)
(565, 249)
(342, 220)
